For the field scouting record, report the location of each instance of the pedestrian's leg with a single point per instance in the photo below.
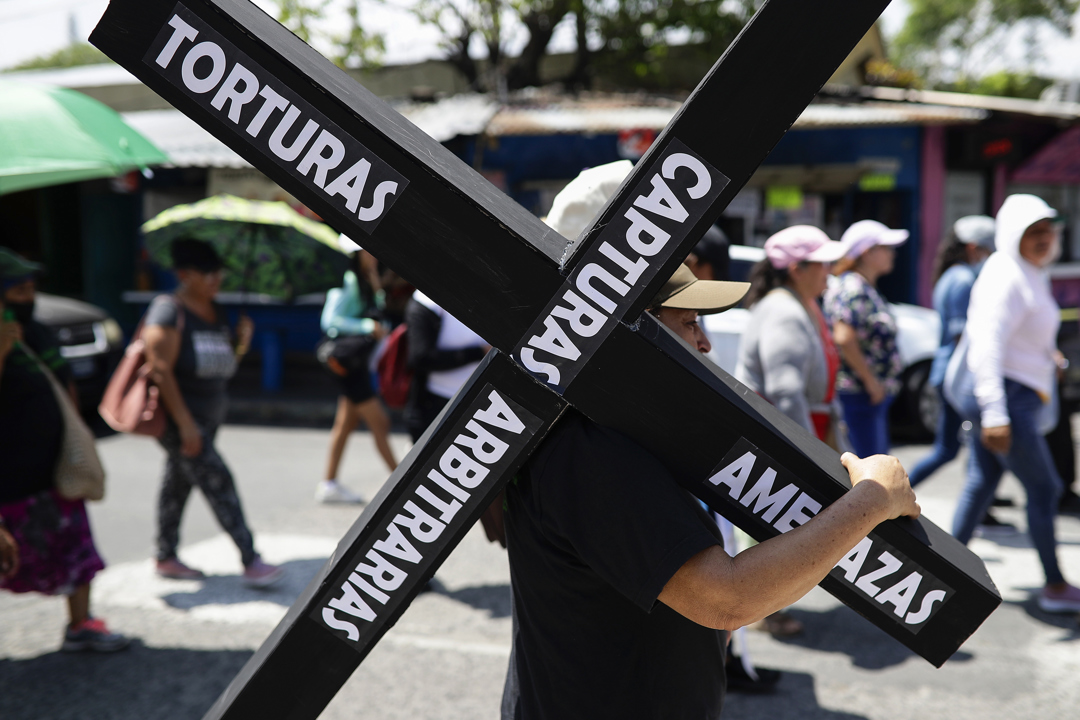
(859, 417)
(946, 444)
(173, 497)
(882, 441)
(372, 413)
(79, 605)
(345, 421)
(1030, 460)
(211, 475)
(984, 474)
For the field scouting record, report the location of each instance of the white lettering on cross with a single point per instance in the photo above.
(584, 319)
(682, 160)
(594, 271)
(350, 184)
(181, 32)
(662, 201)
(277, 139)
(236, 98)
(485, 446)
(216, 55)
(641, 225)
(769, 504)
(551, 372)
(555, 340)
(633, 269)
(322, 163)
(272, 101)
(378, 201)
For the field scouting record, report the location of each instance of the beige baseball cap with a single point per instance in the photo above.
(684, 291)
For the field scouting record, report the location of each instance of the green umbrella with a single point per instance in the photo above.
(267, 247)
(51, 135)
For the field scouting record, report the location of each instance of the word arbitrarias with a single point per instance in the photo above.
(873, 569)
(449, 486)
(669, 200)
(272, 119)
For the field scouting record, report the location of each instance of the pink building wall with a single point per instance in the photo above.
(932, 205)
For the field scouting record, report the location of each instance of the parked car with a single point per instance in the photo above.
(915, 411)
(91, 342)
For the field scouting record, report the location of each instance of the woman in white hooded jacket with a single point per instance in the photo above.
(1012, 327)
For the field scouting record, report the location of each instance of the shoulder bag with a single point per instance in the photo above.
(79, 474)
(132, 403)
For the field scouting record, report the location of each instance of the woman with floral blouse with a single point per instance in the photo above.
(865, 333)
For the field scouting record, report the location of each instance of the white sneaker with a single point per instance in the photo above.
(331, 492)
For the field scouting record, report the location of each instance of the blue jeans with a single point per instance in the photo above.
(1030, 461)
(946, 443)
(868, 425)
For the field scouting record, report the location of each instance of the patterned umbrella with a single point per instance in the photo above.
(267, 247)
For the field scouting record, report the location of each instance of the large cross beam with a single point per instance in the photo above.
(567, 321)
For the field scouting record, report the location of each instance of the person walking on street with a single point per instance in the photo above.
(443, 352)
(191, 355)
(45, 541)
(353, 333)
(787, 354)
(958, 263)
(865, 333)
(1011, 330)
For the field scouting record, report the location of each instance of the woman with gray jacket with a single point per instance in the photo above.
(787, 354)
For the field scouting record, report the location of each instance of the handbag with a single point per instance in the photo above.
(958, 387)
(131, 402)
(959, 391)
(79, 474)
(345, 354)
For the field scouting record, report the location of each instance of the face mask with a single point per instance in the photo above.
(23, 312)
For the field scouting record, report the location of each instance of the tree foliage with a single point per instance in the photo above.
(952, 41)
(356, 47)
(1004, 83)
(627, 40)
(637, 35)
(71, 56)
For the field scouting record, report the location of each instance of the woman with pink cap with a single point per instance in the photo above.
(787, 354)
(865, 333)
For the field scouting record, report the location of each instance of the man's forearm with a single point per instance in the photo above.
(726, 593)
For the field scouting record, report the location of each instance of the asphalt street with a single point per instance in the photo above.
(447, 656)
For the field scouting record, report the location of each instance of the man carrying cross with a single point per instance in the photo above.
(622, 589)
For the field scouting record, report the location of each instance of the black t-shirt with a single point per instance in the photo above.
(206, 360)
(31, 426)
(596, 527)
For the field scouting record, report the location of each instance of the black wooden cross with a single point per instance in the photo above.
(566, 320)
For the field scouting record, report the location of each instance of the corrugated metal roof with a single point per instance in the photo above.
(1038, 108)
(183, 140)
(601, 117)
(188, 145)
(825, 115)
(465, 114)
(81, 76)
